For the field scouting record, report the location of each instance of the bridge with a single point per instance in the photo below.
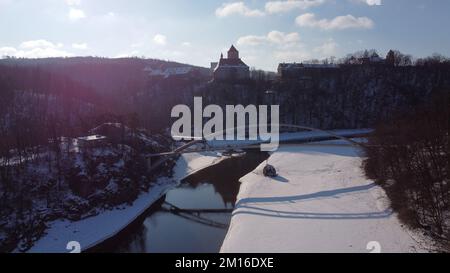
(202, 145)
(195, 215)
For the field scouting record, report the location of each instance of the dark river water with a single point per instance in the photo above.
(162, 231)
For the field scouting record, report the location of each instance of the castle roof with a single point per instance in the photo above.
(233, 49)
(231, 62)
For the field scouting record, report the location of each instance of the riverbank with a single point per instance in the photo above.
(320, 202)
(95, 230)
(92, 231)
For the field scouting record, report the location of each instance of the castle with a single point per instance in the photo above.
(231, 68)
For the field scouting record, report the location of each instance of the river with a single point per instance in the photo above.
(162, 230)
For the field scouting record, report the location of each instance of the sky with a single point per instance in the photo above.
(266, 32)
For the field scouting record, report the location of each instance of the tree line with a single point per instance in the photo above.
(409, 156)
(393, 58)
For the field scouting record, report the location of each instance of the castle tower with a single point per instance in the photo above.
(231, 69)
(233, 53)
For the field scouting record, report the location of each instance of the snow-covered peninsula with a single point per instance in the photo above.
(320, 202)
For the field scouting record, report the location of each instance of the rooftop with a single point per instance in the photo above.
(233, 49)
(231, 62)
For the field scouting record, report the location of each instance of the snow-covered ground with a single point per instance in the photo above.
(91, 231)
(320, 202)
(191, 163)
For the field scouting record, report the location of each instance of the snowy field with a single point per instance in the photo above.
(91, 231)
(321, 202)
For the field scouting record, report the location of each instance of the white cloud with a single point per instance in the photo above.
(44, 53)
(39, 44)
(373, 2)
(160, 39)
(8, 51)
(370, 2)
(251, 40)
(187, 44)
(5, 2)
(327, 49)
(80, 46)
(73, 2)
(340, 22)
(286, 6)
(76, 14)
(237, 8)
(282, 38)
(35, 49)
(274, 47)
(273, 37)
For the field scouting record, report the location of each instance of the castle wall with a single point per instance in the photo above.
(232, 73)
